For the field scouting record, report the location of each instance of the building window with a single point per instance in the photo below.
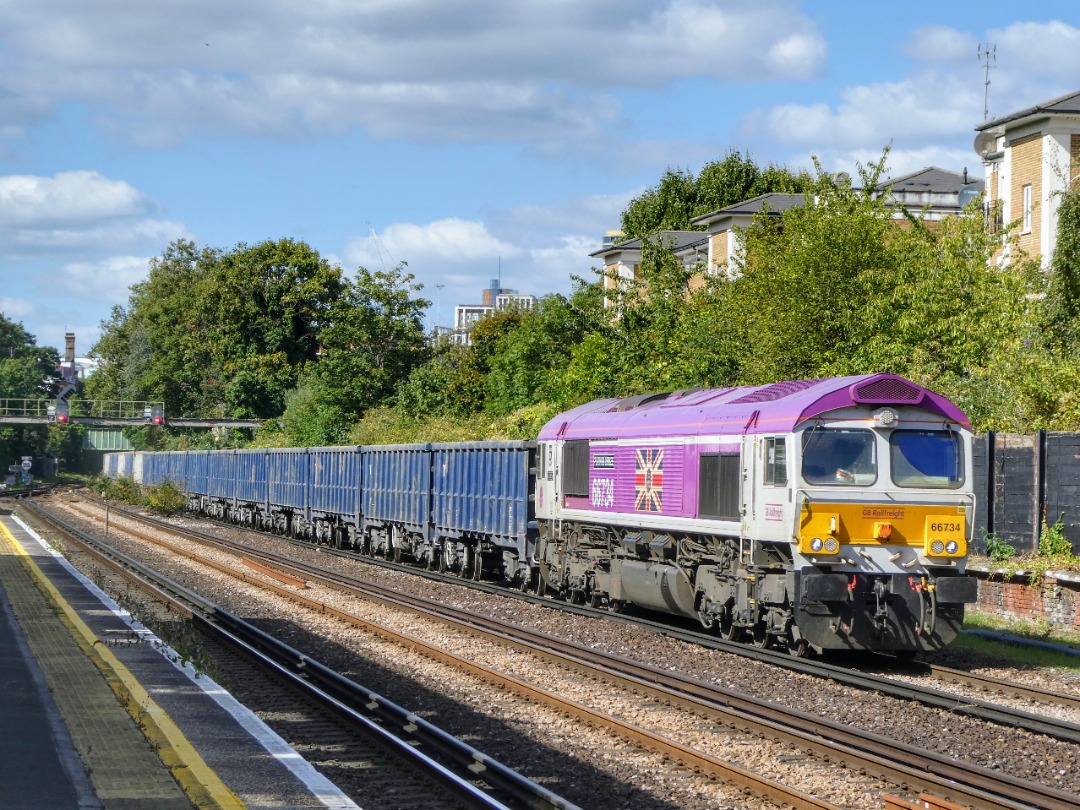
(1027, 209)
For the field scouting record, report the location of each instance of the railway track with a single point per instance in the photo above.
(855, 677)
(886, 759)
(402, 755)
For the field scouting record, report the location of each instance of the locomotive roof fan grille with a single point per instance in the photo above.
(888, 390)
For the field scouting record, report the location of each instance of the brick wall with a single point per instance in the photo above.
(1056, 600)
(1027, 166)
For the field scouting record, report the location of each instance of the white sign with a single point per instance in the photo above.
(27, 464)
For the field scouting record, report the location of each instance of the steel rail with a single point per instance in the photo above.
(928, 696)
(899, 763)
(696, 760)
(406, 733)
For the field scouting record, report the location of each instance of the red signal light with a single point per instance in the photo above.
(62, 418)
(158, 420)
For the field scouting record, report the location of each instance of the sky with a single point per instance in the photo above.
(470, 139)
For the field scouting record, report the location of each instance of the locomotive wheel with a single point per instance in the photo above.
(707, 620)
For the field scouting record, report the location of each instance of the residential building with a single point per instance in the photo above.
(1030, 157)
(931, 193)
(622, 260)
(495, 298)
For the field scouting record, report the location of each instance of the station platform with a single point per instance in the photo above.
(97, 713)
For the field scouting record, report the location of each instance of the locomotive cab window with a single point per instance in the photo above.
(927, 458)
(837, 456)
(776, 461)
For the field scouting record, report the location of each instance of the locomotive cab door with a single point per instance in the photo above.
(548, 489)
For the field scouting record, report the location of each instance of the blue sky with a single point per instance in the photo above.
(460, 136)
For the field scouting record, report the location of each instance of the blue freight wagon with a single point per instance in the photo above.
(334, 494)
(252, 504)
(482, 507)
(396, 500)
(287, 482)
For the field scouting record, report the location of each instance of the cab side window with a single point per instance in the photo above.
(776, 461)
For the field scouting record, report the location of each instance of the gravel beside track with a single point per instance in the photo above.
(624, 777)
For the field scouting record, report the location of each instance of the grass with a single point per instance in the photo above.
(1038, 630)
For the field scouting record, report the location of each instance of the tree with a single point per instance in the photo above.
(680, 196)
(372, 339)
(1063, 295)
(218, 333)
(528, 356)
(29, 371)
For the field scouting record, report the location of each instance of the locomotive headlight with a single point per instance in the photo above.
(937, 547)
(952, 547)
(886, 417)
(832, 545)
(816, 544)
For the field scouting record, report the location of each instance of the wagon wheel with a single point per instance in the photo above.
(443, 567)
(799, 648)
(541, 580)
(478, 565)
(759, 634)
(728, 629)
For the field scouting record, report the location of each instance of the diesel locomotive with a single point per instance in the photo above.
(819, 514)
(826, 514)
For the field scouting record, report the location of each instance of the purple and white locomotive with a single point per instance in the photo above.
(817, 514)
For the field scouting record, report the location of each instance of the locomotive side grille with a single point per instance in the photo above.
(718, 486)
(775, 391)
(575, 468)
(889, 389)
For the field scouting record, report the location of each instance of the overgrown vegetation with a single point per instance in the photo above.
(165, 498)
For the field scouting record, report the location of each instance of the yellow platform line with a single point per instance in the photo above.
(197, 779)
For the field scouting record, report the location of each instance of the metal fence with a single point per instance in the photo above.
(1020, 481)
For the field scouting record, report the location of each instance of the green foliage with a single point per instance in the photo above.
(372, 340)
(998, 549)
(680, 196)
(166, 498)
(218, 333)
(1052, 540)
(118, 489)
(1063, 296)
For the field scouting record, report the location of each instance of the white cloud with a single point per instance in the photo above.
(417, 69)
(15, 308)
(453, 241)
(107, 280)
(67, 196)
(77, 210)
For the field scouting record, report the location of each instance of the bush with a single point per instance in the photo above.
(1052, 540)
(166, 498)
(118, 489)
(998, 549)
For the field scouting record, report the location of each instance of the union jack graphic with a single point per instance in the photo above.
(649, 481)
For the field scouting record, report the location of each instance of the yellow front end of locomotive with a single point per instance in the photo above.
(938, 530)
